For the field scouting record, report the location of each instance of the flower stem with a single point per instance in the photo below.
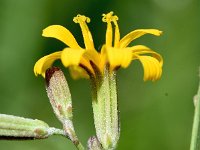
(80, 146)
(70, 133)
(195, 140)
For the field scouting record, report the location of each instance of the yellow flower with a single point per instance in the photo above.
(115, 53)
(101, 68)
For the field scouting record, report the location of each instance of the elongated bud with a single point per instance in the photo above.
(13, 127)
(60, 99)
(59, 94)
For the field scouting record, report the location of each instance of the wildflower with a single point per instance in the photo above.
(81, 61)
(100, 67)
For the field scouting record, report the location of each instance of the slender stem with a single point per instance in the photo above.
(70, 133)
(55, 131)
(195, 140)
(72, 136)
(80, 146)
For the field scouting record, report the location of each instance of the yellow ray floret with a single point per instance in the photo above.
(152, 68)
(115, 53)
(71, 56)
(45, 62)
(126, 40)
(119, 57)
(62, 34)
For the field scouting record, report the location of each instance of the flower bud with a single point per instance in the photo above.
(12, 127)
(59, 94)
(60, 99)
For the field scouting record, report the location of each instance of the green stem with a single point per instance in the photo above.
(70, 133)
(80, 146)
(195, 140)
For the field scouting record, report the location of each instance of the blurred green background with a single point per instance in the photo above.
(154, 115)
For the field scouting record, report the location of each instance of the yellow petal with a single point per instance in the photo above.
(118, 57)
(152, 67)
(77, 57)
(61, 33)
(77, 72)
(125, 41)
(45, 62)
(78, 64)
(141, 49)
(71, 57)
(94, 56)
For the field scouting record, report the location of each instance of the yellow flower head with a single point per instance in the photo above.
(115, 53)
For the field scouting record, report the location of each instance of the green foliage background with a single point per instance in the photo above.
(154, 115)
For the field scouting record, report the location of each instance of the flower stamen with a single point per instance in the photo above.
(117, 34)
(87, 36)
(109, 18)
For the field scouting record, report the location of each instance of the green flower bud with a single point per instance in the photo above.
(60, 99)
(59, 94)
(12, 127)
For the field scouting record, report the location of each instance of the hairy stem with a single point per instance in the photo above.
(195, 140)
